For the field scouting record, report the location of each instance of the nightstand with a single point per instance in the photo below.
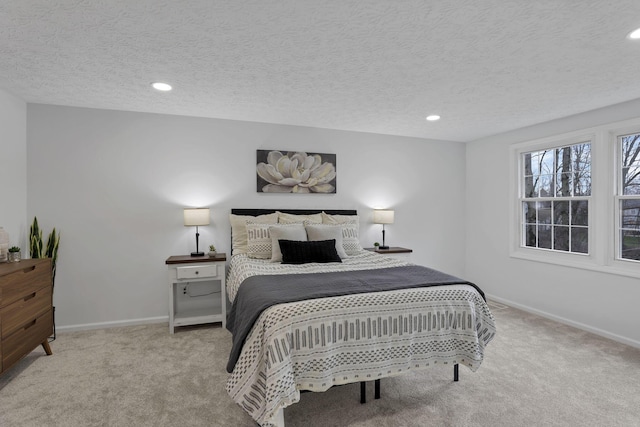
(196, 290)
(394, 252)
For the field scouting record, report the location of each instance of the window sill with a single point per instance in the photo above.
(583, 262)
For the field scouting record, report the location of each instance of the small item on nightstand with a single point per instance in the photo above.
(14, 254)
(376, 246)
(212, 250)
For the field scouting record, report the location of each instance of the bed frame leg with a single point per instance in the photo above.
(377, 388)
(363, 392)
(455, 372)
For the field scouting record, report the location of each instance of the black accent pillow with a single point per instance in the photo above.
(301, 252)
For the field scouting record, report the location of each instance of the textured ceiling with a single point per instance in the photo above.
(374, 66)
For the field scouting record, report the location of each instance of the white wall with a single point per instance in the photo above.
(13, 169)
(114, 183)
(603, 303)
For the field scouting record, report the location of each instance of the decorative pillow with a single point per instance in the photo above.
(294, 252)
(258, 240)
(339, 219)
(326, 232)
(285, 232)
(239, 229)
(285, 218)
(350, 238)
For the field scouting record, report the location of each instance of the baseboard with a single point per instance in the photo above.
(115, 324)
(597, 331)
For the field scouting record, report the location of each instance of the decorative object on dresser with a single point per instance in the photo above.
(295, 172)
(383, 216)
(197, 217)
(14, 254)
(26, 312)
(4, 244)
(212, 250)
(197, 292)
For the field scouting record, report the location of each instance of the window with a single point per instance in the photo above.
(575, 199)
(555, 193)
(628, 198)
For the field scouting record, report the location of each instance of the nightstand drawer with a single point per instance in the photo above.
(196, 272)
(26, 339)
(23, 311)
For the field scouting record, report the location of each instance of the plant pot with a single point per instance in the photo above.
(14, 256)
(212, 253)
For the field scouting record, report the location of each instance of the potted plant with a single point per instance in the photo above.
(376, 246)
(212, 250)
(37, 248)
(14, 254)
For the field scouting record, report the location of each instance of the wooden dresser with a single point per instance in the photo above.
(26, 315)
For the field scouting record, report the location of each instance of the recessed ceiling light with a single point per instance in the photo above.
(161, 86)
(433, 117)
(634, 35)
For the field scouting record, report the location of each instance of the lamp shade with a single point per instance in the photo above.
(196, 216)
(381, 216)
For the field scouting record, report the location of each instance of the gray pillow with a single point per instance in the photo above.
(327, 232)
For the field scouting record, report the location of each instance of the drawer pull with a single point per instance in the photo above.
(197, 272)
(28, 297)
(33, 322)
(29, 269)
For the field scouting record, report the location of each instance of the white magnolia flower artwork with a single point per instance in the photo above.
(295, 172)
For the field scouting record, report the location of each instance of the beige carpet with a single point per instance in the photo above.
(536, 373)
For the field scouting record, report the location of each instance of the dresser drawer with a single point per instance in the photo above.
(20, 313)
(25, 339)
(196, 272)
(22, 282)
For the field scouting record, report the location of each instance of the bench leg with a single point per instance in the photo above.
(363, 392)
(377, 388)
(455, 372)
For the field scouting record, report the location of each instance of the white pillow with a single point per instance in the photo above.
(339, 219)
(350, 238)
(239, 229)
(286, 218)
(327, 232)
(258, 240)
(284, 232)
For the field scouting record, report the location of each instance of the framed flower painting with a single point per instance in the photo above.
(295, 172)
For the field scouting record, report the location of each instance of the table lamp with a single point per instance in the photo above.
(382, 216)
(197, 217)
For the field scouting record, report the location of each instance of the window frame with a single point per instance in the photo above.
(552, 199)
(518, 248)
(616, 136)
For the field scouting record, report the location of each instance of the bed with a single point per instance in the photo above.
(343, 337)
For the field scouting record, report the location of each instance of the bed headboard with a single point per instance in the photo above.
(256, 212)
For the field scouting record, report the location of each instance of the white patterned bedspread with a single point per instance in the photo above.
(315, 344)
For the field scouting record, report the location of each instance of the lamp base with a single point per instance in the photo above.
(383, 247)
(197, 253)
